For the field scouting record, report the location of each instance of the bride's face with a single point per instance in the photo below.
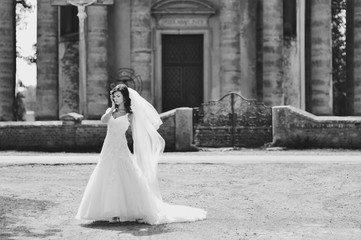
(118, 98)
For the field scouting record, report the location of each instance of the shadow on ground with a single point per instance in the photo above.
(133, 228)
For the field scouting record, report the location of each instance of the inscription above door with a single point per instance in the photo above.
(183, 22)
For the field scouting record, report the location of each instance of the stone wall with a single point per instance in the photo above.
(82, 136)
(167, 129)
(52, 136)
(291, 127)
(295, 128)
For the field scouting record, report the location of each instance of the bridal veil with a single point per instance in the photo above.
(148, 144)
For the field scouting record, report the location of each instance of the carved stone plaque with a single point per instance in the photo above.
(182, 22)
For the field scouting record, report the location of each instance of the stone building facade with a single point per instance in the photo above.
(186, 52)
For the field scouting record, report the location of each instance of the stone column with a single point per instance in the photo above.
(292, 52)
(230, 47)
(121, 30)
(68, 75)
(272, 63)
(141, 53)
(353, 56)
(350, 5)
(248, 34)
(97, 61)
(7, 59)
(321, 57)
(301, 18)
(47, 61)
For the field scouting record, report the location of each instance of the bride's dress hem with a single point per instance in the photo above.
(202, 215)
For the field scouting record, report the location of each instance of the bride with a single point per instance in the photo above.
(123, 186)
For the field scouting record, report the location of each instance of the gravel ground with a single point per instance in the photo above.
(268, 201)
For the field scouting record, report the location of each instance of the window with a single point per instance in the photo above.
(69, 23)
(290, 18)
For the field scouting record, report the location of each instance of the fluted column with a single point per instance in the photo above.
(47, 61)
(272, 63)
(97, 76)
(141, 53)
(230, 47)
(321, 57)
(7, 59)
(353, 57)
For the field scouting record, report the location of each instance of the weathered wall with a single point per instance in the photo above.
(68, 76)
(229, 46)
(97, 61)
(87, 135)
(272, 52)
(321, 58)
(353, 56)
(295, 128)
(291, 72)
(119, 18)
(167, 129)
(141, 47)
(248, 49)
(7, 60)
(52, 136)
(350, 56)
(47, 61)
(215, 59)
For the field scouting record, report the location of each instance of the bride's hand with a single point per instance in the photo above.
(113, 104)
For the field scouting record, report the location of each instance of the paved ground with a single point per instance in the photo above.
(249, 194)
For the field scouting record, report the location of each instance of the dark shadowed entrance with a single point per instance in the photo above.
(182, 71)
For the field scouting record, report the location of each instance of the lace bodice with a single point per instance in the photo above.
(118, 125)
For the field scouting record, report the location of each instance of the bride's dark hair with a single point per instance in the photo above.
(123, 89)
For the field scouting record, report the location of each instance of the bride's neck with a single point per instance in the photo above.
(120, 109)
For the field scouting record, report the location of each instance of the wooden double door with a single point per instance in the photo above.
(182, 71)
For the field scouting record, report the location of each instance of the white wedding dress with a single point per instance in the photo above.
(118, 187)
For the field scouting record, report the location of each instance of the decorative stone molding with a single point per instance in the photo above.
(182, 14)
(182, 7)
(71, 117)
(97, 2)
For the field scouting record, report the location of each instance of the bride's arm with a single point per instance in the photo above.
(106, 116)
(108, 113)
